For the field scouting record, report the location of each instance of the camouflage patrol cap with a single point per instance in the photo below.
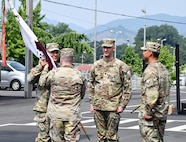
(52, 47)
(108, 42)
(67, 52)
(152, 46)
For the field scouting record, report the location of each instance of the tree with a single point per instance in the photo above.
(167, 59)
(120, 50)
(132, 59)
(60, 28)
(75, 41)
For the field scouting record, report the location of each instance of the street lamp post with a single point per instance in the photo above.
(173, 65)
(161, 41)
(144, 38)
(82, 57)
(115, 36)
(95, 30)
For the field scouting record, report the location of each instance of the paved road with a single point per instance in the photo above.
(17, 125)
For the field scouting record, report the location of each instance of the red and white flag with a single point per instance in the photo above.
(30, 39)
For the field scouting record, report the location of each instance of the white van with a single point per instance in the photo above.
(12, 75)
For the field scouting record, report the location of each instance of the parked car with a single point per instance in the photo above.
(12, 75)
(182, 80)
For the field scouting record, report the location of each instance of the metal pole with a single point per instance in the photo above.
(144, 38)
(177, 79)
(173, 54)
(115, 36)
(82, 59)
(115, 46)
(95, 24)
(174, 58)
(29, 55)
(163, 41)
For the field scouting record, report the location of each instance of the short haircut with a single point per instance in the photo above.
(69, 59)
(156, 54)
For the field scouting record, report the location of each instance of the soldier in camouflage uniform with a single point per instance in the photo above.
(67, 90)
(110, 92)
(42, 94)
(155, 89)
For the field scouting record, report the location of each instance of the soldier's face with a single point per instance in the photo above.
(55, 55)
(108, 51)
(146, 54)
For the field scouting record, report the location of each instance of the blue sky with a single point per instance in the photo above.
(124, 9)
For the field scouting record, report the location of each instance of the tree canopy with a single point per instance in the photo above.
(132, 59)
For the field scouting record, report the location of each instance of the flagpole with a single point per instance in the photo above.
(29, 54)
(3, 34)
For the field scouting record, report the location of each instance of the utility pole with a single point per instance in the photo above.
(95, 30)
(177, 79)
(144, 38)
(29, 55)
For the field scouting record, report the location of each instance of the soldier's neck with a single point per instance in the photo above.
(66, 64)
(108, 59)
(152, 60)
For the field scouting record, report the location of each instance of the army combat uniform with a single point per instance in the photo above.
(40, 106)
(110, 88)
(41, 103)
(155, 89)
(67, 90)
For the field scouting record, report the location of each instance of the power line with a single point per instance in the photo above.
(117, 14)
(77, 19)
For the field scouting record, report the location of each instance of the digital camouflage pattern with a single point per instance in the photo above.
(108, 42)
(72, 133)
(52, 47)
(67, 52)
(110, 88)
(42, 98)
(43, 125)
(41, 103)
(42, 93)
(155, 89)
(40, 106)
(152, 46)
(110, 85)
(109, 133)
(67, 90)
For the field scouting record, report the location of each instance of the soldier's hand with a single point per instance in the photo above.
(46, 66)
(91, 108)
(147, 117)
(119, 109)
(42, 62)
